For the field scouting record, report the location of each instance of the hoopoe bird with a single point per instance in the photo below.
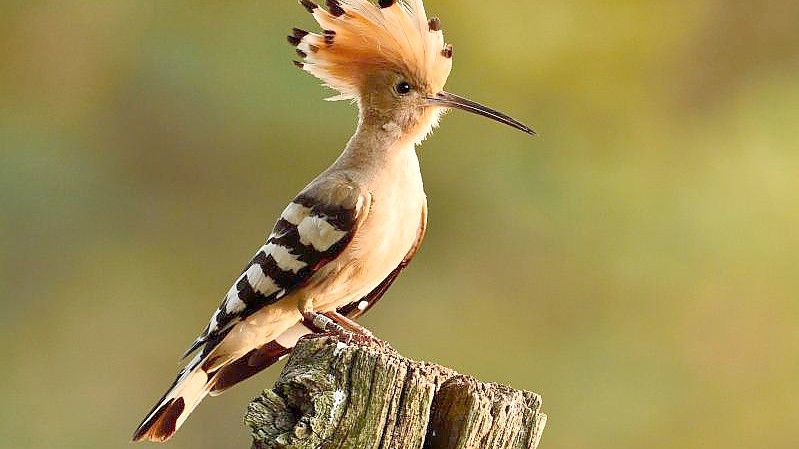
(341, 243)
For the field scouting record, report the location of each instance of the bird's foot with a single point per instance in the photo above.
(337, 325)
(348, 324)
(321, 324)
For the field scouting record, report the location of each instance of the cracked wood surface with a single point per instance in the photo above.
(333, 394)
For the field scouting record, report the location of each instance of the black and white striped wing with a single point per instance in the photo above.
(270, 353)
(310, 233)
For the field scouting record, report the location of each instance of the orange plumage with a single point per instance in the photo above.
(359, 36)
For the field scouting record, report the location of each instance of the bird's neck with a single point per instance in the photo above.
(376, 146)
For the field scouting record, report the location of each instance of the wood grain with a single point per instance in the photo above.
(333, 394)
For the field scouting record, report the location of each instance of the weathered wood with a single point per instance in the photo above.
(333, 394)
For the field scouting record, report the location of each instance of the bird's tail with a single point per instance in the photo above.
(192, 384)
(210, 375)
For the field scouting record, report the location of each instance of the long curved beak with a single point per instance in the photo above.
(448, 100)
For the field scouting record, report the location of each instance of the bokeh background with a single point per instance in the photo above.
(637, 264)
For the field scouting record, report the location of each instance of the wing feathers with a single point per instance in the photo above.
(311, 231)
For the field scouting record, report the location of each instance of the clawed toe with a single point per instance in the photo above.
(323, 325)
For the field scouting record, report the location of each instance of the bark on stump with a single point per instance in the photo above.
(333, 394)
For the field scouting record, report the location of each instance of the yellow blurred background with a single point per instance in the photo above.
(636, 264)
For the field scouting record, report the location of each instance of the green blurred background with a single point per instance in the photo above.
(636, 264)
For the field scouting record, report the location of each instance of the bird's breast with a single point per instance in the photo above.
(384, 238)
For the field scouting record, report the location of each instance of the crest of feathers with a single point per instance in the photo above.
(359, 36)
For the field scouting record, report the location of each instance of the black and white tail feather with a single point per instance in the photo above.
(195, 382)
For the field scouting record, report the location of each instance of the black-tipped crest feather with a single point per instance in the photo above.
(335, 8)
(309, 5)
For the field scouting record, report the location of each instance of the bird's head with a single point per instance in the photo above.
(389, 58)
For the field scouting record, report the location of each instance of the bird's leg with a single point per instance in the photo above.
(320, 323)
(334, 323)
(358, 332)
(349, 324)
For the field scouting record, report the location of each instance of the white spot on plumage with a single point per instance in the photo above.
(285, 260)
(392, 127)
(260, 282)
(320, 234)
(359, 204)
(295, 213)
(212, 325)
(232, 302)
(363, 305)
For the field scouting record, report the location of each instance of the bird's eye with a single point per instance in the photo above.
(402, 87)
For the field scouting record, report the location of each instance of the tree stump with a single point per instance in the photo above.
(334, 394)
